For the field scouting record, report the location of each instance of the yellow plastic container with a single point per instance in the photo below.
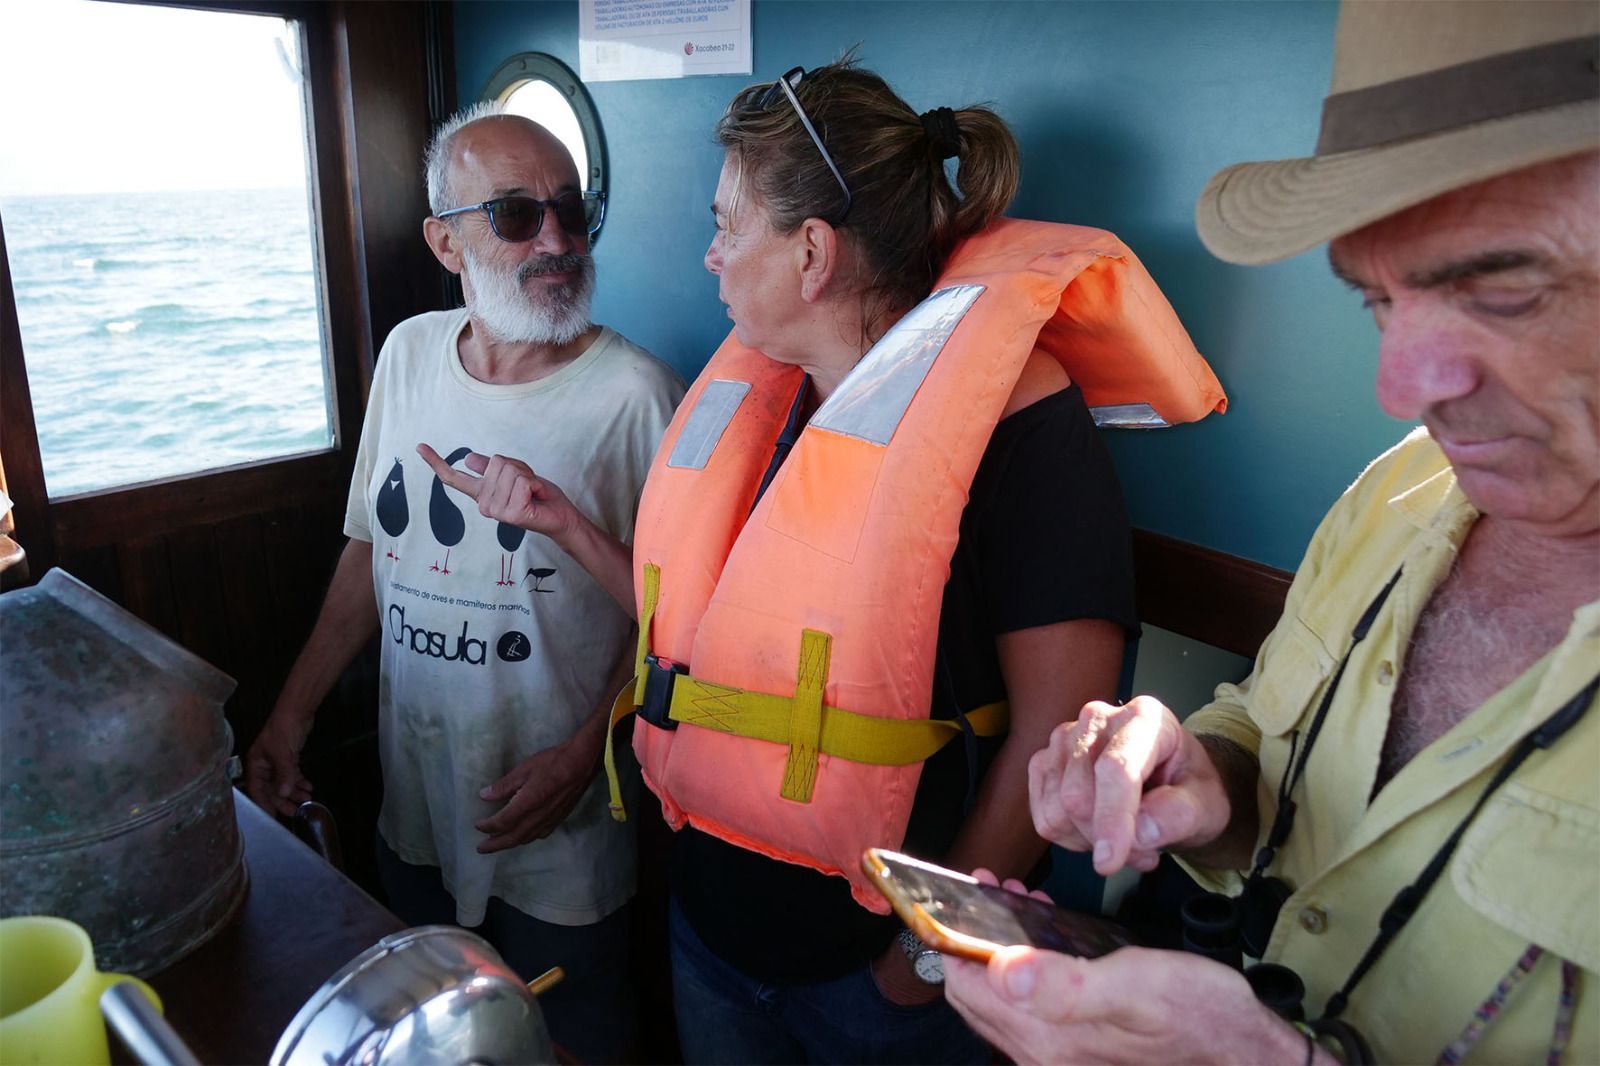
(50, 994)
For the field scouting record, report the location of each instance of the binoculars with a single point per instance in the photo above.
(1223, 929)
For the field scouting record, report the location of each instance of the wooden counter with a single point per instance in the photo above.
(300, 922)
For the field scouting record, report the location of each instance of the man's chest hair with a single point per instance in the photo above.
(1477, 634)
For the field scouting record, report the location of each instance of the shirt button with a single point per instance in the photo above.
(1385, 672)
(1313, 919)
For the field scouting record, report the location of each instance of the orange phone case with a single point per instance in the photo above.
(927, 928)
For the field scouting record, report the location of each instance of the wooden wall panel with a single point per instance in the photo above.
(146, 581)
(166, 507)
(258, 645)
(197, 583)
(1222, 600)
(98, 568)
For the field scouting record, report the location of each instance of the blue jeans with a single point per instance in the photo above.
(725, 1016)
(590, 1012)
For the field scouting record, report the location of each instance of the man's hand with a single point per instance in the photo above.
(272, 766)
(1134, 1006)
(509, 491)
(541, 791)
(1126, 782)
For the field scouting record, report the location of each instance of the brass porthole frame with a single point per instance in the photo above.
(524, 67)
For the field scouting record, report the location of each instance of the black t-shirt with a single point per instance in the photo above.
(1044, 538)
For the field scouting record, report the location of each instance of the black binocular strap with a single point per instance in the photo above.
(1283, 821)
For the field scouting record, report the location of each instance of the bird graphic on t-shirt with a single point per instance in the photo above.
(510, 538)
(393, 513)
(538, 574)
(444, 517)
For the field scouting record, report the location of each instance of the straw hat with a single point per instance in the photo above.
(1427, 96)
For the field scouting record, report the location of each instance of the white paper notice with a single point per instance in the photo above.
(625, 40)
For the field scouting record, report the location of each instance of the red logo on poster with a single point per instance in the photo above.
(688, 48)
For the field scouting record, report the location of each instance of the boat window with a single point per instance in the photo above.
(161, 241)
(541, 87)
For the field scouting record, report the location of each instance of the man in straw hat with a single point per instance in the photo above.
(1405, 789)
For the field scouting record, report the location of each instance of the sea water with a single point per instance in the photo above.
(167, 333)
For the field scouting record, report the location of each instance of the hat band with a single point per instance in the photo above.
(1545, 75)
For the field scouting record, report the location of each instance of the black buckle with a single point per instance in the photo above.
(659, 677)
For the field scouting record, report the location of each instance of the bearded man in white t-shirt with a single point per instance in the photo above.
(499, 654)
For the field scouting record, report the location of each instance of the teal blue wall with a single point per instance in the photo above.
(1123, 111)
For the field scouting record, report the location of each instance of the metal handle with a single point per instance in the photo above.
(323, 830)
(144, 1032)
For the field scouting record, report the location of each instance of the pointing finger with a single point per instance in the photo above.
(459, 480)
(1120, 773)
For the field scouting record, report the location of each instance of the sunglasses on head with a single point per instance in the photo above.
(519, 218)
(785, 85)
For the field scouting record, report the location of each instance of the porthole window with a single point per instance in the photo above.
(544, 89)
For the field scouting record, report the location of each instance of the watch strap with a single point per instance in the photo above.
(922, 958)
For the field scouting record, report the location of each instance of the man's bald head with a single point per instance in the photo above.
(480, 133)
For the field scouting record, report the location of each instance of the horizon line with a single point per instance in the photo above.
(151, 192)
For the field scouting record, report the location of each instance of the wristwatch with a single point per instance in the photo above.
(926, 963)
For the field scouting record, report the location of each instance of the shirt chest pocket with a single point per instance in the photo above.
(1294, 670)
(1527, 863)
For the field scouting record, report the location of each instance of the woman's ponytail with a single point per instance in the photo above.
(989, 169)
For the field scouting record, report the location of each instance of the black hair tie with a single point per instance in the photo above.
(940, 126)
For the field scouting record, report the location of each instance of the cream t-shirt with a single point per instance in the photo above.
(496, 644)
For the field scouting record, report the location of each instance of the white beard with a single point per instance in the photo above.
(499, 303)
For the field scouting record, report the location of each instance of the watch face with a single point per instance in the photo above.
(929, 967)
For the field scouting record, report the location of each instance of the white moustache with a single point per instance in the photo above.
(551, 264)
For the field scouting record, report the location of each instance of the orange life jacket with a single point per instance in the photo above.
(808, 626)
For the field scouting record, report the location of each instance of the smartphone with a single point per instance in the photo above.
(960, 915)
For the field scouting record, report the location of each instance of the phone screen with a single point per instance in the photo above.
(982, 912)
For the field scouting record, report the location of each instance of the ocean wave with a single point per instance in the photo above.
(145, 262)
(67, 245)
(127, 325)
(248, 346)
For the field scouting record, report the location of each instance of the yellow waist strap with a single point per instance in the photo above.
(844, 734)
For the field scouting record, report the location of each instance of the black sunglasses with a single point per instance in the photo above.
(786, 85)
(519, 218)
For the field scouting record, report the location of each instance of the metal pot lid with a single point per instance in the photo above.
(435, 994)
(104, 718)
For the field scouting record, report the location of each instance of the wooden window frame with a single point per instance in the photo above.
(374, 271)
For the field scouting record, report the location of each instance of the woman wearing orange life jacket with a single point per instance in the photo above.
(834, 217)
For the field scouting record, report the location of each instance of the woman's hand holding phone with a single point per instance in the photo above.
(1010, 884)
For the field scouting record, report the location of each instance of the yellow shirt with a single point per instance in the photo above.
(1527, 870)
